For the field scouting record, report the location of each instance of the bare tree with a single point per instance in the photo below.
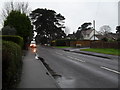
(67, 30)
(23, 7)
(105, 29)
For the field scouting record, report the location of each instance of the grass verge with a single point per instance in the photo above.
(104, 50)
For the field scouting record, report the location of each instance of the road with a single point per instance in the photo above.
(79, 70)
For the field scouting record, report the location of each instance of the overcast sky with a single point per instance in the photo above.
(77, 12)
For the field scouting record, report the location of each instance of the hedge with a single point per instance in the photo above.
(62, 42)
(11, 64)
(13, 38)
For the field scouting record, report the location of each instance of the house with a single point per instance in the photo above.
(86, 35)
(71, 36)
(110, 36)
(89, 34)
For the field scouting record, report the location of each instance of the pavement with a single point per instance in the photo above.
(77, 50)
(35, 74)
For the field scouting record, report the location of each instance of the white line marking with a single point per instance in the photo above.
(79, 60)
(76, 59)
(110, 70)
(70, 57)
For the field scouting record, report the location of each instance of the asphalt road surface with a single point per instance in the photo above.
(79, 70)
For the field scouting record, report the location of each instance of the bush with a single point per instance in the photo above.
(7, 30)
(60, 43)
(11, 64)
(13, 38)
(105, 39)
(63, 42)
(118, 39)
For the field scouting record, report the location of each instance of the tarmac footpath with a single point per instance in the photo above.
(35, 74)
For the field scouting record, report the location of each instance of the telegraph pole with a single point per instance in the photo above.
(94, 28)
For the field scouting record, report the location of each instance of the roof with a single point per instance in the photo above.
(113, 36)
(86, 32)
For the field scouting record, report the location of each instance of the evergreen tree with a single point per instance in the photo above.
(21, 23)
(49, 25)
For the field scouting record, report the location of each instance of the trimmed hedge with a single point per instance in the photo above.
(11, 64)
(62, 42)
(13, 38)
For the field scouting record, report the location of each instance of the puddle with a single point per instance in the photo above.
(66, 82)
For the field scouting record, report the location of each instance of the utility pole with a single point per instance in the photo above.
(94, 28)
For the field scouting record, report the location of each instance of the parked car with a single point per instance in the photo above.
(33, 44)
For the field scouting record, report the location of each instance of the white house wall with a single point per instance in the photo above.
(91, 35)
(93, 38)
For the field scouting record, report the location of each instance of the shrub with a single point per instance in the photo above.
(118, 39)
(13, 38)
(60, 43)
(63, 42)
(7, 30)
(11, 64)
(105, 39)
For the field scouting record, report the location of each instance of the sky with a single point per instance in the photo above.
(77, 12)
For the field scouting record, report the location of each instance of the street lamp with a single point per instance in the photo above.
(94, 28)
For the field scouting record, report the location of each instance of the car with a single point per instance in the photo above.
(33, 44)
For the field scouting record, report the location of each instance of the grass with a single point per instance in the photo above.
(104, 50)
(62, 46)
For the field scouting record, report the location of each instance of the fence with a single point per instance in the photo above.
(82, 43)
(101, 44)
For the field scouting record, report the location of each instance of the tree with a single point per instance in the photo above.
(118, 32)
(48, 24)
(85, 26)
(7, 30)
(79, 35)
(67, 30)
(22, 7)
(21, 23)
(118, 29)
(105, 29)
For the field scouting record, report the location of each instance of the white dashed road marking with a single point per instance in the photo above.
(76, 59)
(110, 69)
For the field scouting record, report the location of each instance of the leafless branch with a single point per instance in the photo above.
(23, 7)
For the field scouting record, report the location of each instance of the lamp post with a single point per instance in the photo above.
(94, 28)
